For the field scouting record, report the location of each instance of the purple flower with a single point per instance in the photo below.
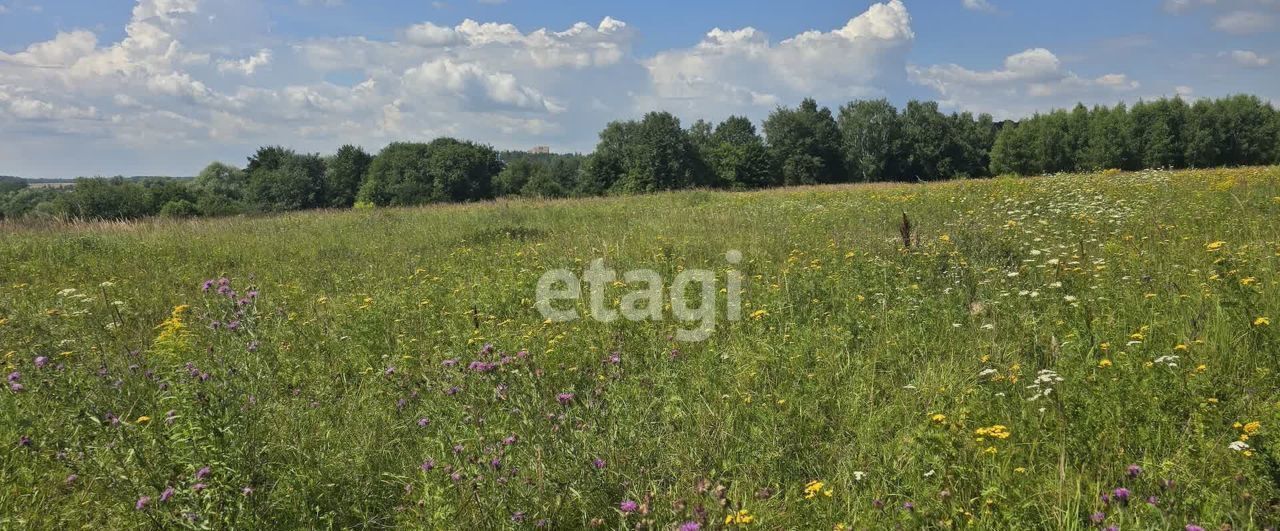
(15, 376)
(449, 363)
(690, 526)
(206, 285)
(142, 503)
(628, 506)
(522, 354)
(481, 366)
(428, 465)
(16, 387)
(598, 463)
(198, 487)
(390, 371)
(1193, 527)
(510, 440)
(908, 506)
(1113, 528)
(1098, 518)
(423, 422)
(1121, 495)
(41, 361)
(71, 479)
(495, 463)
(203, 473)
(877, 503)
(168, 493)
(458, 448)
(452, 390)
(487, 349)
(1153, 501)
(24, 441)
(564, 398)
(233, 326)
(517, 517)
(1134, 471)
(614, 359)
(456, 477)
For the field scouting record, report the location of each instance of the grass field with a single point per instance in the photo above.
(1064, 352)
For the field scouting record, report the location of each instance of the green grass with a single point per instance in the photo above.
(866, 367)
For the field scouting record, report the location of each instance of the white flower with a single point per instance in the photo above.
(66, 292)
(1070, 298)
(929, 473)
(1238, 446)
(986, 372)
(859, 475)
(107, 284)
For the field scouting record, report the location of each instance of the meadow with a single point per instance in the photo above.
(1065, 352)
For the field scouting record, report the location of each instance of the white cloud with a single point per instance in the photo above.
(979, 5)
(248, 65)
(1029, 81)
(743, 71)
(1246, 58)
(1244, 22)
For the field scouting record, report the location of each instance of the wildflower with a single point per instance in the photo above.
(628, 506)
(908, 506)
(859, 475)
(428, 465)
(142, 503)
(41, 361)
(71, 479)
(1262, 321)
(143, 420)
(203, 473)
(1104, 364)
(1133, 471)
(247, 490)
(24, 441)
(938, 418)
(998, 432)
(759, 314)
(17, 387)
(1193, 527)
(742, 517)
(564, 398)
(598, 464)
(198, 487)
(168, 493)
(1121, 495)
(1251, 428)
(1215, 246)
(1239, 446)
(423, 422)
(813, 488)
(14, 376)
(877, 503)
(690, 526)
(1098, 517)
(517, 517)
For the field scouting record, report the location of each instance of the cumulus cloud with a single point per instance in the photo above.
(1246, 58)
(1030, 80)
(979, 5)
(743, 70)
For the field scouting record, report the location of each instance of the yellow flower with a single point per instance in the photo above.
(1202, 368)
(1214, 246)
(143, 419)
(938, 418)
(997, 431)
(1252, 427)
(759, 314)
(1104, 364)
(742, 517)
(813, 488)
(1020, 470)
(1105, 347)
(945, 238)
(1262, 321)
(1248, 281)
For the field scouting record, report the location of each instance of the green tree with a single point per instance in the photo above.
(294, 182)
(871, 139)
(343, 175)
(1110, 139)
(926, 135)
(737, 157)
(444, 170)
(1011, 153)
(646, 156)
(1203, 136)
(222, 180)
(114, 198)
(805, 143)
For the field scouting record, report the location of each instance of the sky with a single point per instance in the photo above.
(163, 87)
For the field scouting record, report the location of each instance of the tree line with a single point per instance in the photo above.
(862, 141)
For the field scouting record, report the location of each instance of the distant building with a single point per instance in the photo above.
(541, 150)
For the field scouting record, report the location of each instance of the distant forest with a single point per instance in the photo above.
(862, 141)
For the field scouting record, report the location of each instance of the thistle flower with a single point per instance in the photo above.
(41, 361)
(142, 503)
(14, 376)
(198, 487)
(628, 506)
(1193, 527)
(598, 463)
(1121, 495)
(1097, 518)
(690, 526)
(564, 398)
(168, 493)
(423, 422)
(1134, 471)
(203, 473)
(428, 465)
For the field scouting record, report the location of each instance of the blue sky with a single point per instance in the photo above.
(166, 86)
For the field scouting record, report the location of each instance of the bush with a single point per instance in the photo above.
(180, 208)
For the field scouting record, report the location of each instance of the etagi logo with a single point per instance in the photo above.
(646, 303)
